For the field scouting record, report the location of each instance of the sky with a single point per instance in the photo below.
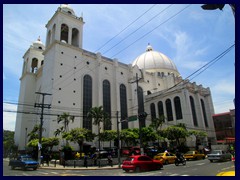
(190, 36)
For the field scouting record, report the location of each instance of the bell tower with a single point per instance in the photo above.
(65, 27)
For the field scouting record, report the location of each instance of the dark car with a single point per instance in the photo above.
(219, 155)
(24, 162)
(141, 163)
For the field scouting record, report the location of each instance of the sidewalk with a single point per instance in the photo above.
(61, 167)
(57, 166)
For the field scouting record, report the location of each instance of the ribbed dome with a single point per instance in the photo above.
(153, 61)
(67, 8)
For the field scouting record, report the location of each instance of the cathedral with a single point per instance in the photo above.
(61, 76)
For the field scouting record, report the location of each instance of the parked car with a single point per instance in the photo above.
(165, 157)
(194, 155)
(219, 155)
(135, 150)
(24, 162)
(102, 154)
(141, 163)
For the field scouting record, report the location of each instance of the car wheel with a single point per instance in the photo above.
(211, 160)
(166, 162)
(126, 170)
(137, 169)
(159, 167)
(35, 168)
(12, 167)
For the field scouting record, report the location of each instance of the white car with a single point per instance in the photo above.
(219, 155)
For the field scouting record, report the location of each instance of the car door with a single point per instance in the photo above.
(171, 158)
(145, 163)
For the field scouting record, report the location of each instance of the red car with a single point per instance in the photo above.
(139, 163)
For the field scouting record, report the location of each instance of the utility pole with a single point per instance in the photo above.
(139, 118)
(42, 105)
(118, 136)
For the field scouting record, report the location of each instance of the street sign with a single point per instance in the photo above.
(132, 118)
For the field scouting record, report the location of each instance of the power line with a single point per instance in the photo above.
(151, 30)
(137, 29)
(125, 28)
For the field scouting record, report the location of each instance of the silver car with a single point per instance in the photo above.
(219, 155)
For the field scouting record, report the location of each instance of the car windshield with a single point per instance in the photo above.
(160, 154)
(129, 159)
(216, 152)
(27, 159)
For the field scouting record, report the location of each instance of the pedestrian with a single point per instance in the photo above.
(110, 159)
(86, 160)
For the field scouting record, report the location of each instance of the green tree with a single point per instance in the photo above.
(99, 116)
(9, 146)
(157, 126)
(129, 136)
(176, 133)
(79, 135)
(65, 119)
(34, 134)
(198, 135)
(109, 135)
(148, 135)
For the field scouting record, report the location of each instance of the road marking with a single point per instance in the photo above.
(174, 175)
(200, 164)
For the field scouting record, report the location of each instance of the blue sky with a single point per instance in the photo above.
(191, 38)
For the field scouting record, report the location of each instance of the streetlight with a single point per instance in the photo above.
(118, 136)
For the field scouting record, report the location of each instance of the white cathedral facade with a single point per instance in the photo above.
(76, 80)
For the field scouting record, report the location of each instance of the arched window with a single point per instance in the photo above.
(160, 109)
(169, 110)
(107, 102)
(178, 108)
(75, 37)
(53, 33)
(64, 33)
(48, 38)
(194, 115)
(141, 105)
(153, 111)
(204, 113)
(34, 65)
(123, 106)
(87, 101)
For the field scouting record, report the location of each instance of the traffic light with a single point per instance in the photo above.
(142, 115)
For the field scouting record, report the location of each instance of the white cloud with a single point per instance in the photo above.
(224, 86)
(9, 118)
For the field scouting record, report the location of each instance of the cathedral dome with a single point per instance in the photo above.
(66, 8)
(153, 61)
(38, 44)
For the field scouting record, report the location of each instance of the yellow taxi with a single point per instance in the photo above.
(194, 155)
(165, 157)
(226, 173)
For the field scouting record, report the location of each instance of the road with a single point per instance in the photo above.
(193, 168)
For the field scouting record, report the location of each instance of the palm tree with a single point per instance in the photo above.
(65, 118)
(99, 115)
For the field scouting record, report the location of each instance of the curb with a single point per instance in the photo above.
(79, 168)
